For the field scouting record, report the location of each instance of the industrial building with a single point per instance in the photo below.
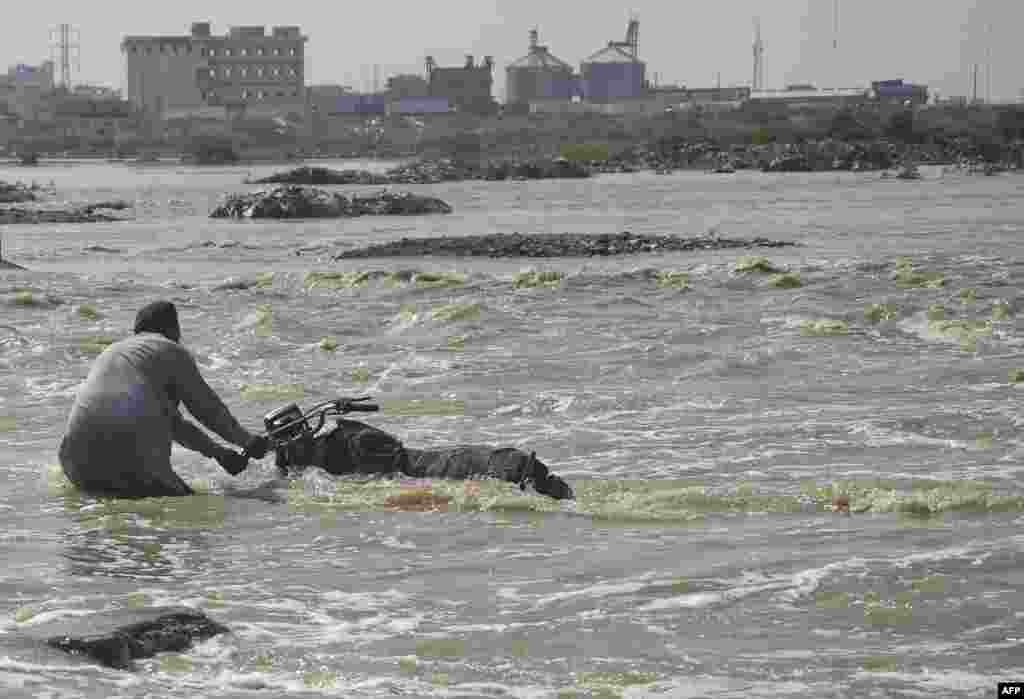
(539, 75)
(467, 88)
(615, 72)
(898, 92)
(804, 97)
(91, 119)
(245, 71)
(23, 89)
(407, 85)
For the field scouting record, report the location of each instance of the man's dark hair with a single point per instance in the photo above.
(159, 317)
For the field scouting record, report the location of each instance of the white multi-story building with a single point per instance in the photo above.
(246, 71)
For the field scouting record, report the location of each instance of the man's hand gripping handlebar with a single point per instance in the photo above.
(290, 424)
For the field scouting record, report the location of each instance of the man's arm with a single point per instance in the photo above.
(188, 435)
(206, 406)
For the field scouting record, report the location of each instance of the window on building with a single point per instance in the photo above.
(259, 71)
(228, 52)
(245, 94)
(202, 52)
(292, 51)
(259, 94)
(278, 51)
(262, 51)
(213, 72)
(292, 72)
(244, 51)
(277, 71)
(244, 71)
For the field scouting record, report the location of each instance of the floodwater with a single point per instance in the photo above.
(706, 416)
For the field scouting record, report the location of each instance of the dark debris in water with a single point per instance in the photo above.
(118, 638)
(553, 245)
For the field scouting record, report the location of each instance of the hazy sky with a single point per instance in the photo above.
(683, 42)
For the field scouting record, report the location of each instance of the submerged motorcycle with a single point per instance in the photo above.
(300, 440)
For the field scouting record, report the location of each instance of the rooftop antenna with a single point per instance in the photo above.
(758, 81)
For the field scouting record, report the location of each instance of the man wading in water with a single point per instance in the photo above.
(125, 416)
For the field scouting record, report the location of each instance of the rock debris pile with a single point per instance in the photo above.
(552, 245)
(293, 201)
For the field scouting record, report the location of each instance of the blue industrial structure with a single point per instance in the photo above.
(359, 104)
(615, 72)
(890, 90)
(421, 105)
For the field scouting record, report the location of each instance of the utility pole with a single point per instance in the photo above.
(64, 41)
(758, 79)
(988, 63)
(835, 24)
(837, 59)
(974, 89)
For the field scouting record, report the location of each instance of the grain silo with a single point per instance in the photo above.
(615, 72)
(538, 75)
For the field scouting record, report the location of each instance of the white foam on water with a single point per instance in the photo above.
(597, 591)
(365, 600)
(806, 582)
(43, 617)
(946, 554)
(942, 682)
(877, 436)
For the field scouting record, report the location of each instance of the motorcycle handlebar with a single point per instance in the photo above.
(362, 407)
(312, 420)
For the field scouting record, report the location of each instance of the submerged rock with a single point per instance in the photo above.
(431, 171)
(551, 245)
(71, 213)
(293, 201)
(118, 638)
(16, 193)
(323, 176)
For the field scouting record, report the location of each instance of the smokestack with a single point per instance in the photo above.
(533, 38)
